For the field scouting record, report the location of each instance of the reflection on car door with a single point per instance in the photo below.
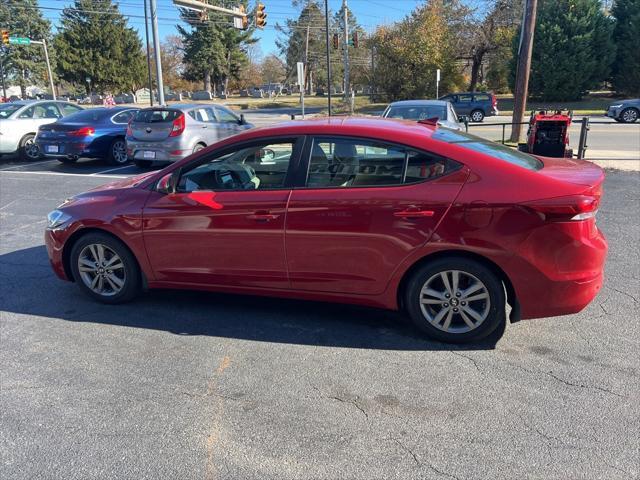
(365, 207)
(225, 225)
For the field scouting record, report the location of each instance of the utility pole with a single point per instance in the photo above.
(346, 51)
(156, 48)
(373, 71)
(523, 68)
(326, 31)
(4, 88)
(146, 37)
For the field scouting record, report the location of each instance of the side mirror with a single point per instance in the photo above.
(168, 183)
(242, 121)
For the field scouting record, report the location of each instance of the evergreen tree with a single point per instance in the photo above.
(25, 64)
(94, 41)
(626, 34)
(572, 50)
(359, 58)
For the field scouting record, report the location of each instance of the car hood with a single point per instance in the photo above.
(128, 182)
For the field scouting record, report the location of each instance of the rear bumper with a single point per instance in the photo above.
(167, 151)
(69, 149)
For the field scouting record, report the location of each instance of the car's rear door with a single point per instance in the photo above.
(363, 206)
(225, 224)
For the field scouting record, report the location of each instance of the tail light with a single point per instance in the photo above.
(129, 130)
(569, 208)
(178, 126)
(83, 132)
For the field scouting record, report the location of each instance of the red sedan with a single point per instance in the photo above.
(443, 225)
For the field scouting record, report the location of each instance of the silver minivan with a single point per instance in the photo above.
(167, 134)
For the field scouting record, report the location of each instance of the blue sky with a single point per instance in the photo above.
(368, 12)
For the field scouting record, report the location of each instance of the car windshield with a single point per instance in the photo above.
(157, 116)
(417, 112)
(487, 147)
(7, 109)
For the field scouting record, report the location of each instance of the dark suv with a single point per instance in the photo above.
(476, 105)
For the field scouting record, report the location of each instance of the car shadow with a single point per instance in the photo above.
(29, 287)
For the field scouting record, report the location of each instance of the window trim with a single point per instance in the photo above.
(302, 173)
(299, 143)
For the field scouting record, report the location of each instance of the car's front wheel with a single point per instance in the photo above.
(105, 268)
(629, 115)
(455, 300)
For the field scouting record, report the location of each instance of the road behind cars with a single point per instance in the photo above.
(196, 385)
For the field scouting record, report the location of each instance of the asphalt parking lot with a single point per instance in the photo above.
(204, 386)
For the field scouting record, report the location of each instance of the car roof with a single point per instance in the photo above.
(184, 106)
(441, 103)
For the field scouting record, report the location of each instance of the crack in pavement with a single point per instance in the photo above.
(473, 360)
(409, 451)
(352, 402)
(623, 293)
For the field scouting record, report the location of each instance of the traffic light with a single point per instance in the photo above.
(261, 16)
(355, 40)
(244, 19)
(336, 41)
(5, 37)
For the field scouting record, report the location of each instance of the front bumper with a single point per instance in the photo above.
(613, 112)
(54, 242)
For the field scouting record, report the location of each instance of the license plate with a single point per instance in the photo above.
(52, 148)
(149, 154)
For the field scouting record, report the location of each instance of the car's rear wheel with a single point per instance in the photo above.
(105, 268)
(29, 150)
(118, 152)
(629, 115)
(477, 116)
(455, 300)
(142, 164)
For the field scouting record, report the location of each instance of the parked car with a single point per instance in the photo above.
(167, 134)
(476, 105)
(424, 109)
(19, 122)
(440, 224)
(625, 111)
(94, 133)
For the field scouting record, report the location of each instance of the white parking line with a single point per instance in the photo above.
(84, 175)
(109, 170)
(27, 165)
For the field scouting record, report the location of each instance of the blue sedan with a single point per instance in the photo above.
(93, 133)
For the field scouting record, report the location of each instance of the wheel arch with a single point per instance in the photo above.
(78, 234)
(512, 299)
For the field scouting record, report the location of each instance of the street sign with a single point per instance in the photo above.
(438, 75)
(19, 40)
(301, 74)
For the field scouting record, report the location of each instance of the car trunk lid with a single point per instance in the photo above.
(577, 172)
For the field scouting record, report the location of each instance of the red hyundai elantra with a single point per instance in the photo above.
(446, 226)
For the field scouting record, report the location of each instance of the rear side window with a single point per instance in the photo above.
(157, 116)
(89, 115)
(464, 98)
(68, 109)
(123, 117)
(416, 112)
(345, 162)
(493, 149)
(482, 98)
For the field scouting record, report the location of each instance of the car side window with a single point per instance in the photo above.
(225, 116)
(425, 165)
(337, 163)
(464, 98)
(28, 113)
(481, 98)
(123, 117)
(68, 109)
(260, 166)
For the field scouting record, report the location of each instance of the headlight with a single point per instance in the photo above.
(615, 106)
(57, 218)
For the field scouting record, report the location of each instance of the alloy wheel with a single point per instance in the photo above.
(629, 115)
(477, 116)
(454, 301)
(31, 149)
(101, 269)
(119, 151)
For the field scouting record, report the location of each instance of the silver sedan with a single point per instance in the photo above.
(424, 109)
(19, 122)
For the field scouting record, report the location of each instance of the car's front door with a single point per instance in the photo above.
(225, 223)
(366, 205)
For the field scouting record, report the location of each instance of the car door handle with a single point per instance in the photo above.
(262, 216)
(414, 213)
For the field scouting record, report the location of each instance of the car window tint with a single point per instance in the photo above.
(338, 163)
(225, 116)
(464, 98)
(157, 115)
(28, 113)
(68, 109)
(257, 167)
(423, 165)
(417, 112)
(481, 98)
(493, 149)
(51, 110)
(123, 117)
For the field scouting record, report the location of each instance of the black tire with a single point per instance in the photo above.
(130, 270)
(629, 115)
(198, 147)
(477, 116)
(495, 309)
(144, 164)
(29, 151)
(118, 152)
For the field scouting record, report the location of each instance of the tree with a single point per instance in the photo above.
(626, 34)
(413, 49)
(273, 69)
(95, 42)
(573, 49)
(359, 58)
(25, 64)
(214, 52)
